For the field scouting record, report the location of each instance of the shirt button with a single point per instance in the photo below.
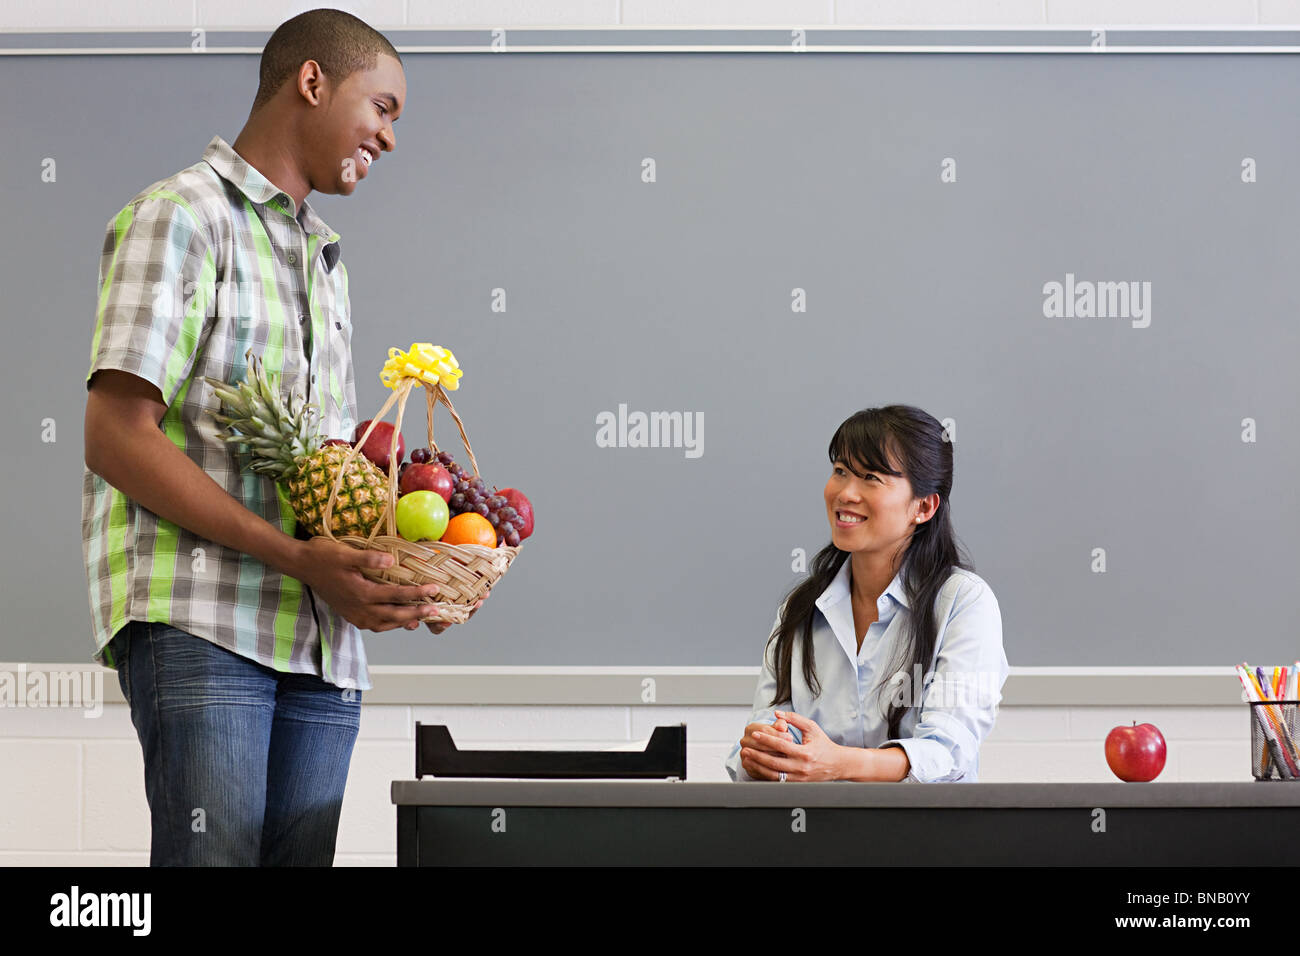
(292, 258)
(302, 317)
(313, 379)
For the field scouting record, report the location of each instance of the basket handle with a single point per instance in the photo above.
(400, 395)
(438, 395)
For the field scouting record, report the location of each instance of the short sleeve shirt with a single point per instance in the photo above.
(197, 270)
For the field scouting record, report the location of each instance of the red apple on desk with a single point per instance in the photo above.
(1137, 753)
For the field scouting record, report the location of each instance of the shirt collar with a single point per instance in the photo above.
(839, 588)
(231, 166)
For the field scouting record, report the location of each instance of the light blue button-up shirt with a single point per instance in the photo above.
(960, 693)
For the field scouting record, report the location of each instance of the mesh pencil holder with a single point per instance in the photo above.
(1274, 740)
(463, 572)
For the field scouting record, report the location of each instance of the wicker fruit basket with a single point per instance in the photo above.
(463, 572)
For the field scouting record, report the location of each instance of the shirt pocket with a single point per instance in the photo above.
(340, 327)
(338, 339)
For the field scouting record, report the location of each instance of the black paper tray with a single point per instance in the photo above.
(437, 755)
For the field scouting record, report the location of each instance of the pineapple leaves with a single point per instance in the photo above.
(275, 432)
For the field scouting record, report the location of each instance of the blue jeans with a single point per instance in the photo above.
(243, 765)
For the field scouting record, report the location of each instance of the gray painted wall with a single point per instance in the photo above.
(773, 173)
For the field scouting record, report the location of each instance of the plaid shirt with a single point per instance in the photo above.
(196, 270)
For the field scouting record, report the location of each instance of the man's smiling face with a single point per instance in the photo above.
(355, 126)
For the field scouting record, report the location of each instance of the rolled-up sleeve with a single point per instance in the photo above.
(156, 288)
(763, 710)
(960, 704)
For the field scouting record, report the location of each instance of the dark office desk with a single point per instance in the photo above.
(477, 822)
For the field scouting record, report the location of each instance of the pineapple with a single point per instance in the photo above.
(285, 444)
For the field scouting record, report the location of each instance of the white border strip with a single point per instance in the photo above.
(675, 686)
(576, 670)
(729, 28)
(1084, 32)
(1099, 51)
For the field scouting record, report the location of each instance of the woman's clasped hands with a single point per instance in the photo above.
(768, 751)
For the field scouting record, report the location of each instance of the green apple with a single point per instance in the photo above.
(421, 516)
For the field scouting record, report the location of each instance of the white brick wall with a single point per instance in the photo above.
(266, 14)
(73, 791)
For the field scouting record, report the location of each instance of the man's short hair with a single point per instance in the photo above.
(338, 41)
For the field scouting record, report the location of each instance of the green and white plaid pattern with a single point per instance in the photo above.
(196, 270)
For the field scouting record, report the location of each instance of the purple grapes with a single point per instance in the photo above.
(471, 495)
(420, 456)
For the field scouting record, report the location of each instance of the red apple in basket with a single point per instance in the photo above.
(378, 447)
(1137, 753)
(515, 499)
(421, 476)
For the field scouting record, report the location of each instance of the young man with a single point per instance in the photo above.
(235, 642)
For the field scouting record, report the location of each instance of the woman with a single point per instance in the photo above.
(887, 662)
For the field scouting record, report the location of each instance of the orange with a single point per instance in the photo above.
(470, 528)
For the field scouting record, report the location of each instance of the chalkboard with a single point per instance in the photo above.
(763, 243)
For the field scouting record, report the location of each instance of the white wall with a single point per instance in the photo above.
(127, 14)
(72, 790)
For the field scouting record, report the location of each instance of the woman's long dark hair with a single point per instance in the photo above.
(916, 441)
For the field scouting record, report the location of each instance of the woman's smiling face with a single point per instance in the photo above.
(868, 510)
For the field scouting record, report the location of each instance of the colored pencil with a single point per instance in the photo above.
(1280, 744)
(1251, 689)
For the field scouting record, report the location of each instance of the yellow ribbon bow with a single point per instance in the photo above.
(431, 364)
